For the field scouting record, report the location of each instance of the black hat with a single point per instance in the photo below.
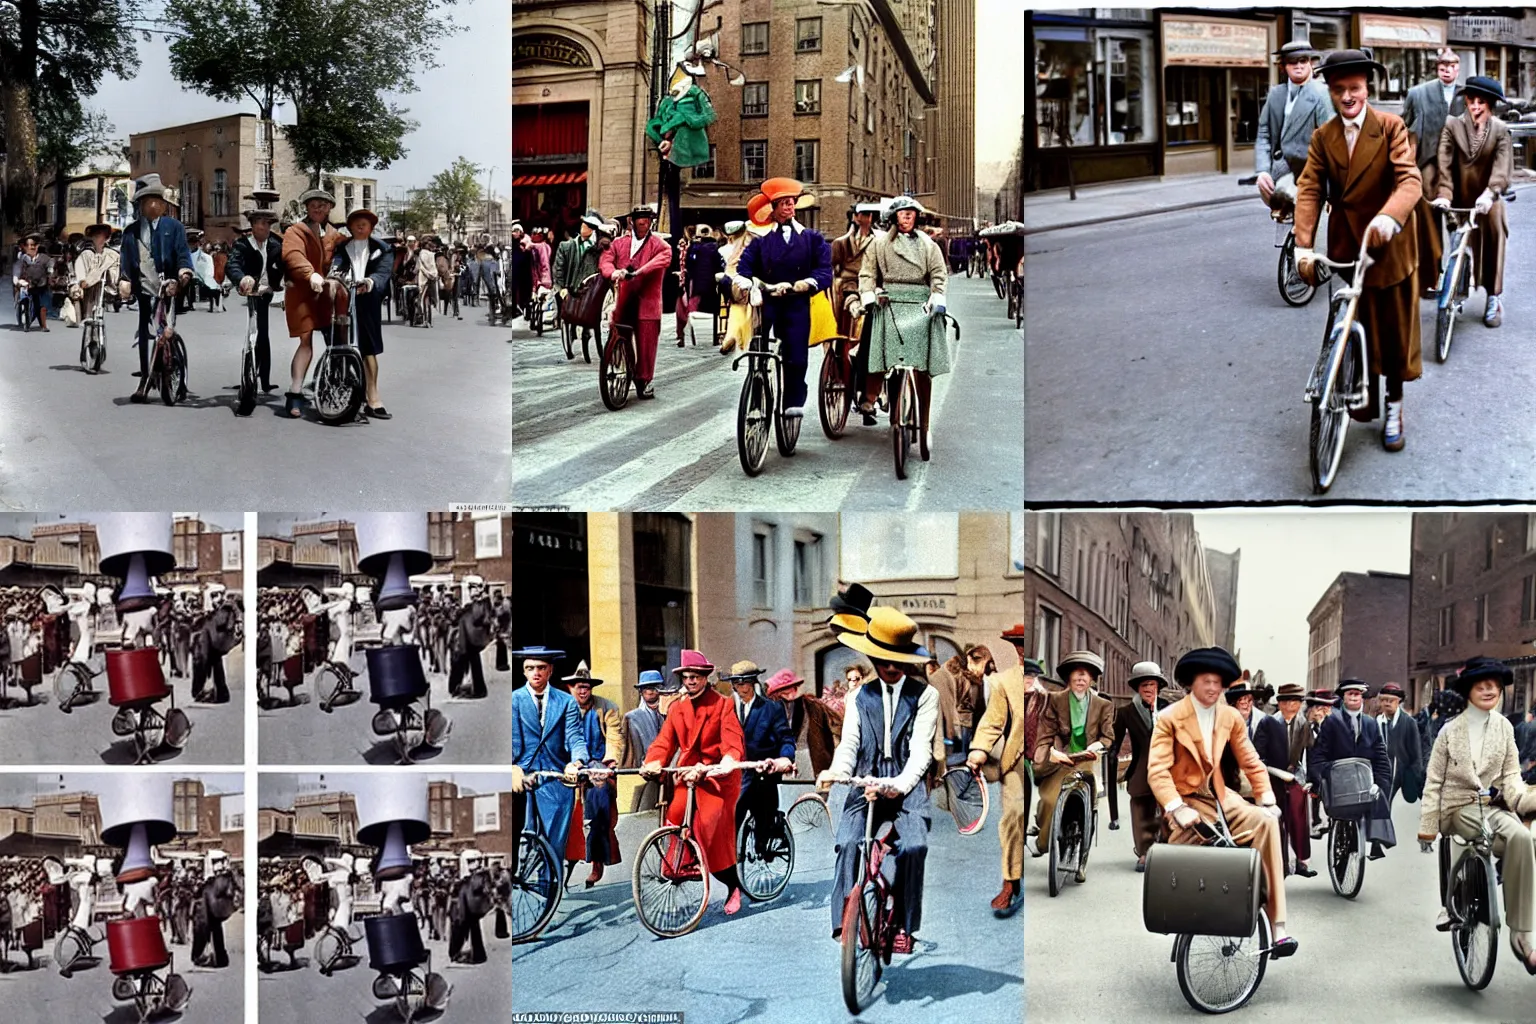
(1392, 690)
(853, 601)
(1033, 667)
(1482, 85)
(1354, 684)
(1296, 49)
(1349, 62)
(1239, 689)
(1206, 659)
(1321, 698)
(1482, 668)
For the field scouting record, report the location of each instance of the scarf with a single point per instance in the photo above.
(1079, 708)
(1479, 135)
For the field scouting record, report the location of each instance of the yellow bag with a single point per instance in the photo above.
(738, 328)
(823, 322)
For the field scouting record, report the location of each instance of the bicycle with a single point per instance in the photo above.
(72, 685)
(1339, 383)
(809, 814)
(1346, 860)
(670, 882)
(762, 392)
(339, 372)
(616, 369)
(835, 384)
(1455, 279)
(1472, 900)
(245, 402)
(536, 885)
(335, 684)
(908, 420)
(1074, 830)
(765, 862)
(868, 929)
(168, 360)
(93, 340)
(1293, 290)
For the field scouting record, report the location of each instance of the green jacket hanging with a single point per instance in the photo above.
(684, 120)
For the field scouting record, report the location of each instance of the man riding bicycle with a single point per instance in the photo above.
(1292, 111)
(636, 263)
(765, 737)
(1076, 726)
(1350, 732)
(1183, 769)
(256, 262)
(155, 252)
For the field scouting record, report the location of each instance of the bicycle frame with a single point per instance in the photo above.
(1480, 845)
(1462, 250)
(1346, 325)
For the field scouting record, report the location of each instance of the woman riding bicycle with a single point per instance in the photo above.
(367, 261)
(909, 267)
(96, 271)
(1076, 726)
(1476, 160)
(1474, 753)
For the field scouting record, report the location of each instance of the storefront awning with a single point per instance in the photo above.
(539, 180)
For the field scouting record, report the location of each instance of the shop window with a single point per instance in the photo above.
(1063, 93)
(1323, 33)
(1249, 88)
(1405, 69)
(1096, 91)
(1188, 106)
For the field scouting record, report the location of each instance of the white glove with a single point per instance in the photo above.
(365, 285)
(1273, 810)
(742, 283)
(1185, 816)
(1375, 791)
(316, 283)
(1484, 202)
(804, 285)
(867, 298)
(1382, 228)
(1440, 204)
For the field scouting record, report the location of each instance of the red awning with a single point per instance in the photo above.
(540, 180)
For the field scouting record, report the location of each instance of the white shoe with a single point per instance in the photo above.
(795, 411)
(1443, 921)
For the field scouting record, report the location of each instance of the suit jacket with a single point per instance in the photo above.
(1454, 780)
(639, 296)
(1299, 740)
(1128, 722)
(574, 263)
(1056, 724)
(381, 260)
(775, 261)
(243, 259)
(1006, 718)
(1178, 765)
(1461, 177)
(1336, 740)
(1281, 147)
(560, 741)
(1425, 113)
(961, 700)
(1402, 739)
(1380, 177)
(1270, 742)
(766, 732)
(699, 731)
(167, 245)
(641, 726)
(600, 728)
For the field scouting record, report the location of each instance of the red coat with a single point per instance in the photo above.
(650, 262)
(704, 731)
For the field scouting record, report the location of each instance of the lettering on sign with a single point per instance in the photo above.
(548, 48)
(1476, 29)
(925, 604)
(1382, 30)
(1224, 44)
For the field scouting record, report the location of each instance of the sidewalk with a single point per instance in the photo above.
(1120, 200)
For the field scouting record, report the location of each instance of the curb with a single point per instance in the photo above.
(1110, 218)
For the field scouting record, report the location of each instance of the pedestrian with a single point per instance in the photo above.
(1292, 792)
(576, 263)
(95, 274)
(447, 258)
(1135, 721)
(1525, 742)
(1076, 728)
(202, 267)
(59, 277)
(1267, 735)
(1348, 732)
(220, 267)
(367, 261)
(256, 262)
(702, 265)
(738, 321)
(600, 727)
(155, 250)
(1425, 111)
(1476, 160)
(32, 268)
(308, 250)
(520, 279)
(426, 280)
(1373, 195)
(215, 904)
(962, 699)
(765, 737)
(641, 727)
(636, 263)
(1292, 111)
(1401, 735)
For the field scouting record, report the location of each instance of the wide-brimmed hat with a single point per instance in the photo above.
(592, 218)
(847, 622)
(650, 677)
(1482, 85)
(1207, 659)
(783, 680)
(1349, 62)
(1080, 659)
(741, 672)
(582, 675)
(364, 213)
(1482, 668)
(105, 229)
(1392, 690)
(1241, 688)
(1296, 49)
(255, 213)
(1354, 684)
(1290, 691)
(890, 636)
(905, 203)
(538, 652)
(1144, 670)
(148, 186)
(693, 661)
(855, 600)
(760, 206)
(315, 193)
(642, 210)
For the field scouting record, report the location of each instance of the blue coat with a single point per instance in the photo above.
(775, 261)
(1336, 741)
(560, 743)
(167, 244)
(767, 732)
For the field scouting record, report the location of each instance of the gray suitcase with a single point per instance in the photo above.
(1347, 790)
(1201, 890)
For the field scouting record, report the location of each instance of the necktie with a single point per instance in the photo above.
(789, 234)
(539, 698)
(890, 712)
(741, 713)
(1357, 725)
(1350, 134)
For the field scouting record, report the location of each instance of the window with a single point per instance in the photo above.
(1075, 76)
(869, 118)
(1528, 599)
(220, 196)
(1189, 105)
(368, 195)
(1480, 612)
(82, 198)
(1488, 548)
(1530, 532)
(707, 168)
(1048, 542)
(754, 99)
(762, 566)
(1047, 636)
(754, 160)
(488, 813)
(440, 808)
(348, 197)
(1250, 86)
(188, 200)
(440, 534)
(1405, 69)
(807, 570)
(754, 38)
(1082, 639)
(263, 134)
(264, 174)
(1447, 625)
(808, 97)
(807, 35)
(184, 811)
(488, 535)
(1447, 569)
(184, 544)
(806, 151)
(149, 147)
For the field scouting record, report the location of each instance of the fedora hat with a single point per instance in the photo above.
(582, 675)
(1207, 659)
(783, 680)
(890, 636)
(856, 600)
(363, 214)
(1480, 668)
(1349, 62)
(650, 677)
(1290, 691)
(847, 622)
(642, 210)
(1482, 85)
(148, 186)
(1144, 670)
(538, 652)
(1296, 49)
(693, 661)
(1081, 659)
(741, 672)
(1354, 684)
(1323, 698)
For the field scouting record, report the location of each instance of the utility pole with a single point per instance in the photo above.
(489, 177)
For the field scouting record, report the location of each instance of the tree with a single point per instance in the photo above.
(418, 217)
(331, 59)
(67, 134)
(457, 191)
(59, 49)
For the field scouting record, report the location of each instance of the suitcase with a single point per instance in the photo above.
(1347, 790)
(1201, 890)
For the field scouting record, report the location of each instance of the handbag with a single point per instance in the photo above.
(583, 307)
(823, 321)
(1347, 789)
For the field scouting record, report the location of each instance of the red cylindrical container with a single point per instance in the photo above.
(136, 944)
(135, 677)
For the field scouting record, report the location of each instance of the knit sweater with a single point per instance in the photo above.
(1457, 773)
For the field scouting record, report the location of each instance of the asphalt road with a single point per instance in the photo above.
(1376, 958)
(41, 734)
(305, 735)
(679, 451)
(776, 961)
(41, 996)
(71, 440)
(1163, 366)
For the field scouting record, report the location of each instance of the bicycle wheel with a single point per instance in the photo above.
(832, 393)
(70, 683)
(1293, 289)
(1063, 850)
(1474, 928)
(245, 402)
(613, 375)
(670, 882)
(536, 317)
(331, 952)
(568, 336)
(903, 420)
(861, 966)
(809, 815)
(1330, 411)
(1088, 816)
(97, 350)
(331, 686)
(172, 377)
(786, 429)
(997, 286)
(753, 411)
(1445, 317)
(1219, 975)
(765, 874)
(338, 385)
(1346, 861)
(536, 888)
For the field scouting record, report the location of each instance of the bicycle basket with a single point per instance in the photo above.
(1347, 790)
(1201, 890)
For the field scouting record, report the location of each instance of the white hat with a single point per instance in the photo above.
(120, 535)
(474, 581)
(381, 534)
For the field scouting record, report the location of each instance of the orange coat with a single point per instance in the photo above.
(1178, 763)
(704, 731)
(305, 254)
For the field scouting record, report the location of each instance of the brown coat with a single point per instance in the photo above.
(1006, 718)
(961, 698)
(1179, 764)
(304, 254)
(1056, 725)
(1462, 179)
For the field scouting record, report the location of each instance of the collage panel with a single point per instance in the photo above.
(768, 243)
(209, 233)
(1365, 673)
(382, 637)
(122, 896)
(1233, 172)
(123, 638)
(384, 896)
(711, 683)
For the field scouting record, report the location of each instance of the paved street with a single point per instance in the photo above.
(776, 961)
(679, 451)
(1164, 366)
(41, 734)
(480, 992)
(68, 438)
(41, 996)
(306, 735)
(1376, 958)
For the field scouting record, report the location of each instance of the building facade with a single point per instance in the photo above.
(1222, 567)
(1474, 593)
(66, 554)
(1359, 630)
(323, 553)
(93, 197)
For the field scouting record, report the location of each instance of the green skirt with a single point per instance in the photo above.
(902, 334)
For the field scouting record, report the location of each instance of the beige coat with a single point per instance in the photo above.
(1462, 178)
(1004, 719)
(304, 254)
(613, 732)
(91, 272)
(1453, 784)
(884, 264)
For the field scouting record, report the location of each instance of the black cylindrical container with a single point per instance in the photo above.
(395, 675)
(394, 943)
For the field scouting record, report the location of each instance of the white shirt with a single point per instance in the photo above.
(920, 750)
(1206, 716)
(540, 701)
(789, 229)
(1450, 93)
(1477, 729)
(1358, 121)
(261, 260)
(636, 242)
(1352, 719)
(744, 709)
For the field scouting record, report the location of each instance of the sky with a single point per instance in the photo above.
(20, 524)
(1288, 561)
(277, 789)
(461, 106)
(999, 78)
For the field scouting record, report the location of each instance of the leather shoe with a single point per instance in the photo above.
(1007, 902)
(1377, 853)
(1493, 316)
(1392, 429)
(596, 875)
(1114, 826)
(1305, 872)
(1141, 865)
(1283, 948)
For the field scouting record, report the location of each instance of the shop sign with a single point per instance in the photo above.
(1215, 44)
(548, 48)
(1466, 28)
(1409, 33)
(927, 605)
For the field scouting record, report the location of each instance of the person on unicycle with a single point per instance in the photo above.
(1184, 771)
(154, 251)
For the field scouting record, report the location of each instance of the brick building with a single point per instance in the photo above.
(323, 553)
(65, 554)
(1131, 586)
(1222, 567)
(1474, 593)
(325, 821)
(1359, 630)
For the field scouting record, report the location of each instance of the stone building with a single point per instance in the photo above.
(1359, 630)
